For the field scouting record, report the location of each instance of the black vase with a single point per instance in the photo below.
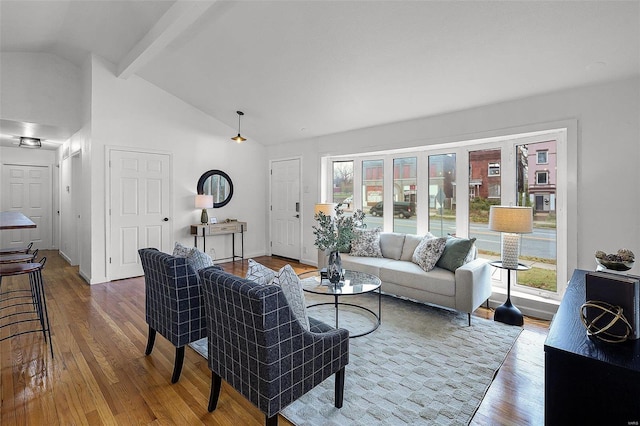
(334, 268)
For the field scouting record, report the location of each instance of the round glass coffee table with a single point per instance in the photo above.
(353, 283)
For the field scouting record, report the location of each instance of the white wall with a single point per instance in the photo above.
(40, 88)
(607, 175)
(135, 113)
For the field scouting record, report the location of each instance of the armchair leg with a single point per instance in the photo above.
(339, 388)
(469, 315)
(216, 383)
(271, 421)
(177, 366)
(150, 341)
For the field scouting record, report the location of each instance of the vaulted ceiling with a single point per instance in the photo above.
(300, 69)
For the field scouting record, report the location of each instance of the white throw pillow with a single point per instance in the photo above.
(288, 280)
(366, 243)
(259, 273)
(428, 252)
(180, 250)
(196, 258)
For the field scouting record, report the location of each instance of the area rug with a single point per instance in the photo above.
(423, 365)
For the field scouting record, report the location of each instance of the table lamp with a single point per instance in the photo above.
(328, 209)
(511, 221)
(204, 202)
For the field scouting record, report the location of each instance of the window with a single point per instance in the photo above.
(385, 186)
(541, 245)
(404, 195)
(542, 178)
(542, 157)
(442, 201)
(494, 190)
(343, 183)
(372, 192)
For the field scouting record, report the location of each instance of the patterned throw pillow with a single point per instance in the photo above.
(180, 250)
(287, 279)
(366, 243)
(259, 273)
(199, 259)
(428, 252)
(196, 258)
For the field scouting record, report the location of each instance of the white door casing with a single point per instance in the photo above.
(27, 189)
(285, 208)
(139, 209)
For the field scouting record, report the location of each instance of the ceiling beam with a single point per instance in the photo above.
(178, 18)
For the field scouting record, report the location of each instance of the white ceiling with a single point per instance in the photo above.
(300, 69)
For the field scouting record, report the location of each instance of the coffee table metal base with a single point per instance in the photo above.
(336, 304)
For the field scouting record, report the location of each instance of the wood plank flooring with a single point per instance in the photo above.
(100, 375)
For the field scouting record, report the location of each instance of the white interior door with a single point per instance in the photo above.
(27, 189)
(285, 208)
(139, 209)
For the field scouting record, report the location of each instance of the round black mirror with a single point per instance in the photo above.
(218, 184)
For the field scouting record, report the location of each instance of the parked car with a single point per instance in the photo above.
(405, 209)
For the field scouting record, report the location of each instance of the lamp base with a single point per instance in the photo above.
(204, 217)
(508, 314)
(510, 250)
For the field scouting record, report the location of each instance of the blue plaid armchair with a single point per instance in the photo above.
(173, 302)
(259, 347)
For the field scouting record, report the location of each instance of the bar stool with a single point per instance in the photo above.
(18, 257)
(22, 306)
(14, 250)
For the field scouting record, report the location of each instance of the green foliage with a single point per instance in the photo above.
(336, 234)
(479, 209)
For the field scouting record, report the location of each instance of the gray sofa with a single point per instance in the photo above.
(463, 290)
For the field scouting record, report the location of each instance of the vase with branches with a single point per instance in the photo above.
(334, 235)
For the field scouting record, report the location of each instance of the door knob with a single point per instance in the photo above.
(297, 216)
(166, 219)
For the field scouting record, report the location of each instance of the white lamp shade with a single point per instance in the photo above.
(204, 201)
(328, 209)
(517, 220)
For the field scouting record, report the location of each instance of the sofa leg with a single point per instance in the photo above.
(469, 316)
(216, 383)
(150, 341)
(339, 388)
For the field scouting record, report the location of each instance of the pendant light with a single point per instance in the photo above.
(239, 139)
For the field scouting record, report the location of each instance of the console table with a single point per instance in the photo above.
(225, 228)
(588, 381)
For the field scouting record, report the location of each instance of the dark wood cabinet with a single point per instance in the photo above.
(587, 381)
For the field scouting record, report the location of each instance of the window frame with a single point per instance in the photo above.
(566, 167)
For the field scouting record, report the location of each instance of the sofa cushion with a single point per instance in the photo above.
(391, 244)
(259, 273)
(369, 265)
(290, 284)
(428, 252)
(366, 243)
(407, 274)
(411, 241)
(455, 253)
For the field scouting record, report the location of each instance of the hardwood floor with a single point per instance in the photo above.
(100, 375)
